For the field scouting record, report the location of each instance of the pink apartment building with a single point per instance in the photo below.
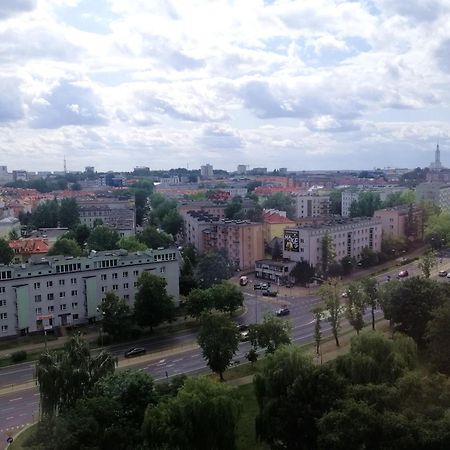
(401, 221)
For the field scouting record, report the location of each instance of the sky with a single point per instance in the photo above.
(302, 84)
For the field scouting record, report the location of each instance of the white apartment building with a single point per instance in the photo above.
(59, 291)
(347, 198)
(435, 192)
(311, 205)
(349, 236)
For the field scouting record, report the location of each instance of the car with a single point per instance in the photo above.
(402, 274)
(443, 273)
(265, 286)
(257, 286)
(283, 311)
(135, 351)
(344, 294)
(243, 280)
(243, 332)
(448, 275)
(268, 293)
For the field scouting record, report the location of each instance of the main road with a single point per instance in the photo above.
(22, 406)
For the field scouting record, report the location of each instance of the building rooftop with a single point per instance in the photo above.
(334, 222)
(29, 246)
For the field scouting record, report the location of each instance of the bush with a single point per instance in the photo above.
(135, 332)
(18, 356)
(105, 339)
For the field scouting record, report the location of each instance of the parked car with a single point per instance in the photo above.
(448, 275)
(135, 351)
(269, 293)
(257, 286)
(443, 273)
(283, 311)
(243, 280)
(344, 294)
(265, 285)
(402, 274)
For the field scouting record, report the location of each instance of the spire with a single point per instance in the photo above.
(437, 158)
(65, 165)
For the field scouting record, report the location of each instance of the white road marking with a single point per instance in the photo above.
(9, 418)
(177, 360)
(170, 365)
(15, 399)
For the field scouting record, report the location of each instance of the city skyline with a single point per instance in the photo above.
(335, 85)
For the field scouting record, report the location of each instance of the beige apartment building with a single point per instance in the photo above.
(311, 205)
(242, 240)
(401, 221)
(349, 236)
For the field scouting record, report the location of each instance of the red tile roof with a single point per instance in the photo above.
(29, 246)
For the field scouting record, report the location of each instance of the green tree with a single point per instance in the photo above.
(103, 238)
(46, 215)
(282, 202)
(318, 312)
(438, 337)
(66, 247)
(303, 272)
(13, 235)
(198, 302)
(271, 334)
(227, 297)
(131, 244)
(348, 264)
(152, 305)
(69, 213)
(427, 263)
(409, 304)
(437, 230)
(293, 393)
(336, 202)
(219, 340)
(366, 205)
(172, 222)
(202, 416)
(6, 252)
(212, 268)
(187, 279)
(330, 295)
(234, 208)
(64, 377)
(368, 257)
(328, 253)
(81, 234)
(116, 316)
(370, 290)
(356, 306)
(152, 238)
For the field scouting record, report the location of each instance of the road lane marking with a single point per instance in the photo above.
(15, 399)
(10, 418)
(170, 365)
(177, 360)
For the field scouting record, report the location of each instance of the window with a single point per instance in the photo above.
(4, 328)
(73, 281)
(125, 274)
(50, 296)
(74, 305)
(2, 302)
(125, 285)
(61, 282)
(126, 297)
(63, 307)
(2, 289)
(75, 316)
(37, 285)
(3, 315)
(135, 284)
(115, 287)
(62, 294)
(38, 298)
(114, 276)
(75, 292)
(38, 311)
(162, 269)
(51, 309)
(136, 273)
(103, 288)
(103, 277)
(49, 283)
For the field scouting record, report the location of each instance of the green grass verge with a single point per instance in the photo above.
(19, 441)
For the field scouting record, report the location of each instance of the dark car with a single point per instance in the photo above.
(402, 274)
(442, 273)
(283, 311)
(135, 351)
(268, 293)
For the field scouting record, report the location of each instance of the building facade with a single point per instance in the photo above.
(58, 291)
(437, 193)
(274, 223)
(349, 237)
(277, 271)
(311, 205)
(401, 221)
(206, 171)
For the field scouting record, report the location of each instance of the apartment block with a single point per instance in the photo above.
(401, 221)
(58, 291)
(311, 205)
(274, 223)
(349, 236)
(435, 192)
(117, 214)
(207, 171)
(277, 271)
(242, 240)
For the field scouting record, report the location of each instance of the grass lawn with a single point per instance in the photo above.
(19, 441)
(246, 437)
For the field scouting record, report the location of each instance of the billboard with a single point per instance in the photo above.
(291, 240)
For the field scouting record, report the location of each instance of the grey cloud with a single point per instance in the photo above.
(219, 137)
(443, 55)
(10, 8)
(66, 104)
(11, 103)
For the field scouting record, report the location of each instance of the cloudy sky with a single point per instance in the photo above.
(323, 84)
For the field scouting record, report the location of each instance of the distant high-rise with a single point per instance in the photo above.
(241, 169)
(206, 171)
(437, 159)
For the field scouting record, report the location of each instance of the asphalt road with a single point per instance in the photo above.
(20, 408)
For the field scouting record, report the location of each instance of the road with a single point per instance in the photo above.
(20, 408)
